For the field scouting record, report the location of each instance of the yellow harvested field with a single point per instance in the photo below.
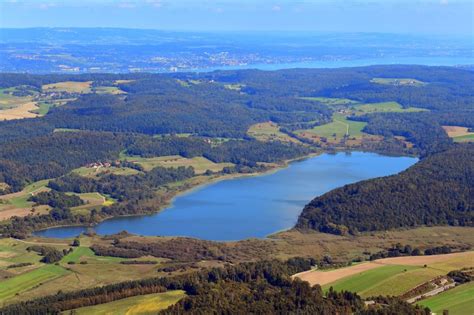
(8, 213)
(457, 131)
(19, 112)
(69, 86)
(325, 277)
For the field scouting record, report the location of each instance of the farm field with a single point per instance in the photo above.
(337, 129)
(398, 81)
(331, 101)
(69, 87)
(28, 280)
(459, 300)
(23, 110)
(389, 276)
(8, 100)
(384, 107)
(368, 281)
(269, 131)
(459, 134)
(108, 90)
(77, 270)
(143, 304)
(200, 164)
(92, 200)
(18, 204)
(96, 172)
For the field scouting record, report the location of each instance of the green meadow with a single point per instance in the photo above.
(371, 281)
(340, 126)
(459, 300)
(29, 280)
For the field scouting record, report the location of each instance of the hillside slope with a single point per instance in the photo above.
(439, 190)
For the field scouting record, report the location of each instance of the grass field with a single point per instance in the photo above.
(269, 131)
(385, 107)
(369, 280)
(18, 204)
(77, 253)
(398, 81)
(108, 90)
(95, 172)
(69, 86)
(331, 101)
(92, 200)
(459, 300)
(8, 100)
(466, 138)
(235, 87)
(337, 129)
(390, 276)
(199, 163)
(459, 134)
(143, 304)
(29, 280)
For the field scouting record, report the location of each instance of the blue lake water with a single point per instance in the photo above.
(251, 206)
(424, 60)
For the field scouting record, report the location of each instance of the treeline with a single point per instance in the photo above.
(56, 199)
(421, 129)
(250, 288)
(131, 187)
(247, 152)
(407, 250)
(186, 249)
(30, 160)
(50, 254)
(436, 191)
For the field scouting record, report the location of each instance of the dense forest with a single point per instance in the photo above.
(439, 190)
(249, 288)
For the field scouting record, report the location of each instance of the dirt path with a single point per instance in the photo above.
(325, 277)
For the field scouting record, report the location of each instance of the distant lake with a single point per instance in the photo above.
(423, 60)
(248, 207)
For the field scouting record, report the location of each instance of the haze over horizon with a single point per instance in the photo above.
(434, 17)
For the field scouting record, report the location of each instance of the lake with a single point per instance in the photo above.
(248, 207)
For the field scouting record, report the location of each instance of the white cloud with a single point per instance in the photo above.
(276, 8)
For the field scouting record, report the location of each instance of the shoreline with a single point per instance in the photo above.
(194, 187)
(182, 191)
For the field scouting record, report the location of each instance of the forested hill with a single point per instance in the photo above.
(439, 190)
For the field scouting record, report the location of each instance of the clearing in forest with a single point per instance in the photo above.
(269, 131)
(69, 87)
(459, 134)
(337, 129)
(385, 107)
(398, 81)
(199, 163)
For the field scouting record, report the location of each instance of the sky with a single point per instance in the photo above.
(443, 17)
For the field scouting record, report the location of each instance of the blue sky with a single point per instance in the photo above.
(392, 16)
